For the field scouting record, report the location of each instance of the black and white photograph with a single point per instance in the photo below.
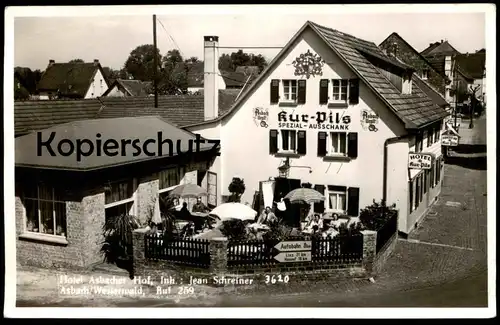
(303, 160)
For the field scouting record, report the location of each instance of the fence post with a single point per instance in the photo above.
(369, 249)
(139, 253)
(218, 255)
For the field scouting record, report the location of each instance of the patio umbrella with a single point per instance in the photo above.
(234, 211)
(156, 219)
(307, 195)
(188, 191)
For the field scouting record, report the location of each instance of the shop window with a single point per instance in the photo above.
(45, 210)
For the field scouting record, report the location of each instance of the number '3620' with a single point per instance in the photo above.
(277, 279)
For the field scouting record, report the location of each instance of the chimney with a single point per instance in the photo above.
(212, 78)
(96, 61)
(51, 62)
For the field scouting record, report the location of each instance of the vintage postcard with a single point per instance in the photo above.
(250, 156)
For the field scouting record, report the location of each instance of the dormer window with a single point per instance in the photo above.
(406, 89)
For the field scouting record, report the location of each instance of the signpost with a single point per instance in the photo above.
(419, 160)
(449, 139)
(285, 257)
(294, 251)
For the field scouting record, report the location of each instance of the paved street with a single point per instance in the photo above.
(442, 264)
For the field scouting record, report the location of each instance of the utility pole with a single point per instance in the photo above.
(155, 63)
(456, 92)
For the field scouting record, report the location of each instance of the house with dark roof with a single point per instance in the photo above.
(71, 178)
(475, 65)
(329, 105)
(444, 59)
(398, 47)
(72, 81)
(228, 79)
(127, 87)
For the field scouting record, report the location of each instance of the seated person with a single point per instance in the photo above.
(200, 207)
(267, 217)
(314, 224)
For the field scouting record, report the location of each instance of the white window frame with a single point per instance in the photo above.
(340, 87)
(338, 193)
(40, 224)
(291, 87)
(132, 199)
(290, 139)
(329, 144)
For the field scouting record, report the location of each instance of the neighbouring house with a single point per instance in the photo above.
(126, 87)
(475, 65)
(398, 47)
(226, 79)
(444, 58)
(326, 107)
(62, 201)
(72, 81)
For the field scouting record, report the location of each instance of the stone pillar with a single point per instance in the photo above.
(218, 255)
(139, 253)
(369, 249)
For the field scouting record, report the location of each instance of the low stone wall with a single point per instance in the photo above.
(383, 255)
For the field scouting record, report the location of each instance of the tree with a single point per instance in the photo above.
(27, 79)
(112, 74)
(76, 61)
(229, 62)
(140, 63)
(237, 188)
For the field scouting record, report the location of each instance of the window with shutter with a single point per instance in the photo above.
(352, 145)
(322, 144)
(289, 91)
(301, 143)
(353, 91)
(319, 207)
(301, 96)
(275, 91)
(353, 201)
(337, 144)
(273, 141)
(323, 92)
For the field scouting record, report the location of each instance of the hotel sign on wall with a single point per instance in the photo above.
(419, 160)
(319, 120)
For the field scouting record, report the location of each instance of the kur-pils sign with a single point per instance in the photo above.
(419, 160)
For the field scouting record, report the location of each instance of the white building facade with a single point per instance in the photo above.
(322, 120)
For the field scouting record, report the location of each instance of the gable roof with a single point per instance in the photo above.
(144, 128)
(416, 52)
(233, 78)
(440, 48)
(132, 87)
(36, 115)
(430, 91)
(414, 110)
(69, 79)
(474, 64)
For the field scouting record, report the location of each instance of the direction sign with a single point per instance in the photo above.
(293, 246)
(289, 257)
(449, 140)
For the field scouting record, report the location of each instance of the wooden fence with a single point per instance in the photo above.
(385, 233)
(194, 252)
(336, 250)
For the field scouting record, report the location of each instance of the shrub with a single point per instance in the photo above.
(374, 216)
(233, 229)
(237, 188)
(117, 233)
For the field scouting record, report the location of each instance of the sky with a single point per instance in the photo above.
(111, 38)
